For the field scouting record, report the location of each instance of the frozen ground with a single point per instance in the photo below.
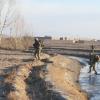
(89, 81)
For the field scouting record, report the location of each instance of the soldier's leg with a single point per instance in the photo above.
(90, 68)
(38, 54)
(94, 69)
(35, 53)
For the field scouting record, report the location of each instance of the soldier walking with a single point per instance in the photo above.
(93, 60)
(37, 47)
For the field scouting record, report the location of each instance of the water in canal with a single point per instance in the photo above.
(89, 81)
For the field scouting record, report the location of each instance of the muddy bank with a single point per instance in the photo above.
(64, 73)
(52, 78)
(57, 79)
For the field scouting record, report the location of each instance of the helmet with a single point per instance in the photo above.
(36, 39)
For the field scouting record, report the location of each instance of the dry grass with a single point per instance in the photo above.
(21, 43)
(71, 45)
(17, 78)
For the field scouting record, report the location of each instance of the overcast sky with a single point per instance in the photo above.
(63, 17)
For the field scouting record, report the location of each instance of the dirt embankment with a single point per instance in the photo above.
(64, 73)
(52, 78)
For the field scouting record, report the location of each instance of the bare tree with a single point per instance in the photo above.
(12, 22)
(7, 14)
(1, 8)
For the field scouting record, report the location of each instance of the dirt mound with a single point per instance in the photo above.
(64, 73)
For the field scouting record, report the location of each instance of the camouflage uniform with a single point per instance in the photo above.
(92, 63)
(93, 60)
(37, 48)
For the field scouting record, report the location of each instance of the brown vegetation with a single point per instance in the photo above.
(16, 43)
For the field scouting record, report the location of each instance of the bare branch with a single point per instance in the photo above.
(6, 19)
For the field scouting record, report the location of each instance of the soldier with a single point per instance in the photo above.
(38, 48)
(93, 60)
(92, 48)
